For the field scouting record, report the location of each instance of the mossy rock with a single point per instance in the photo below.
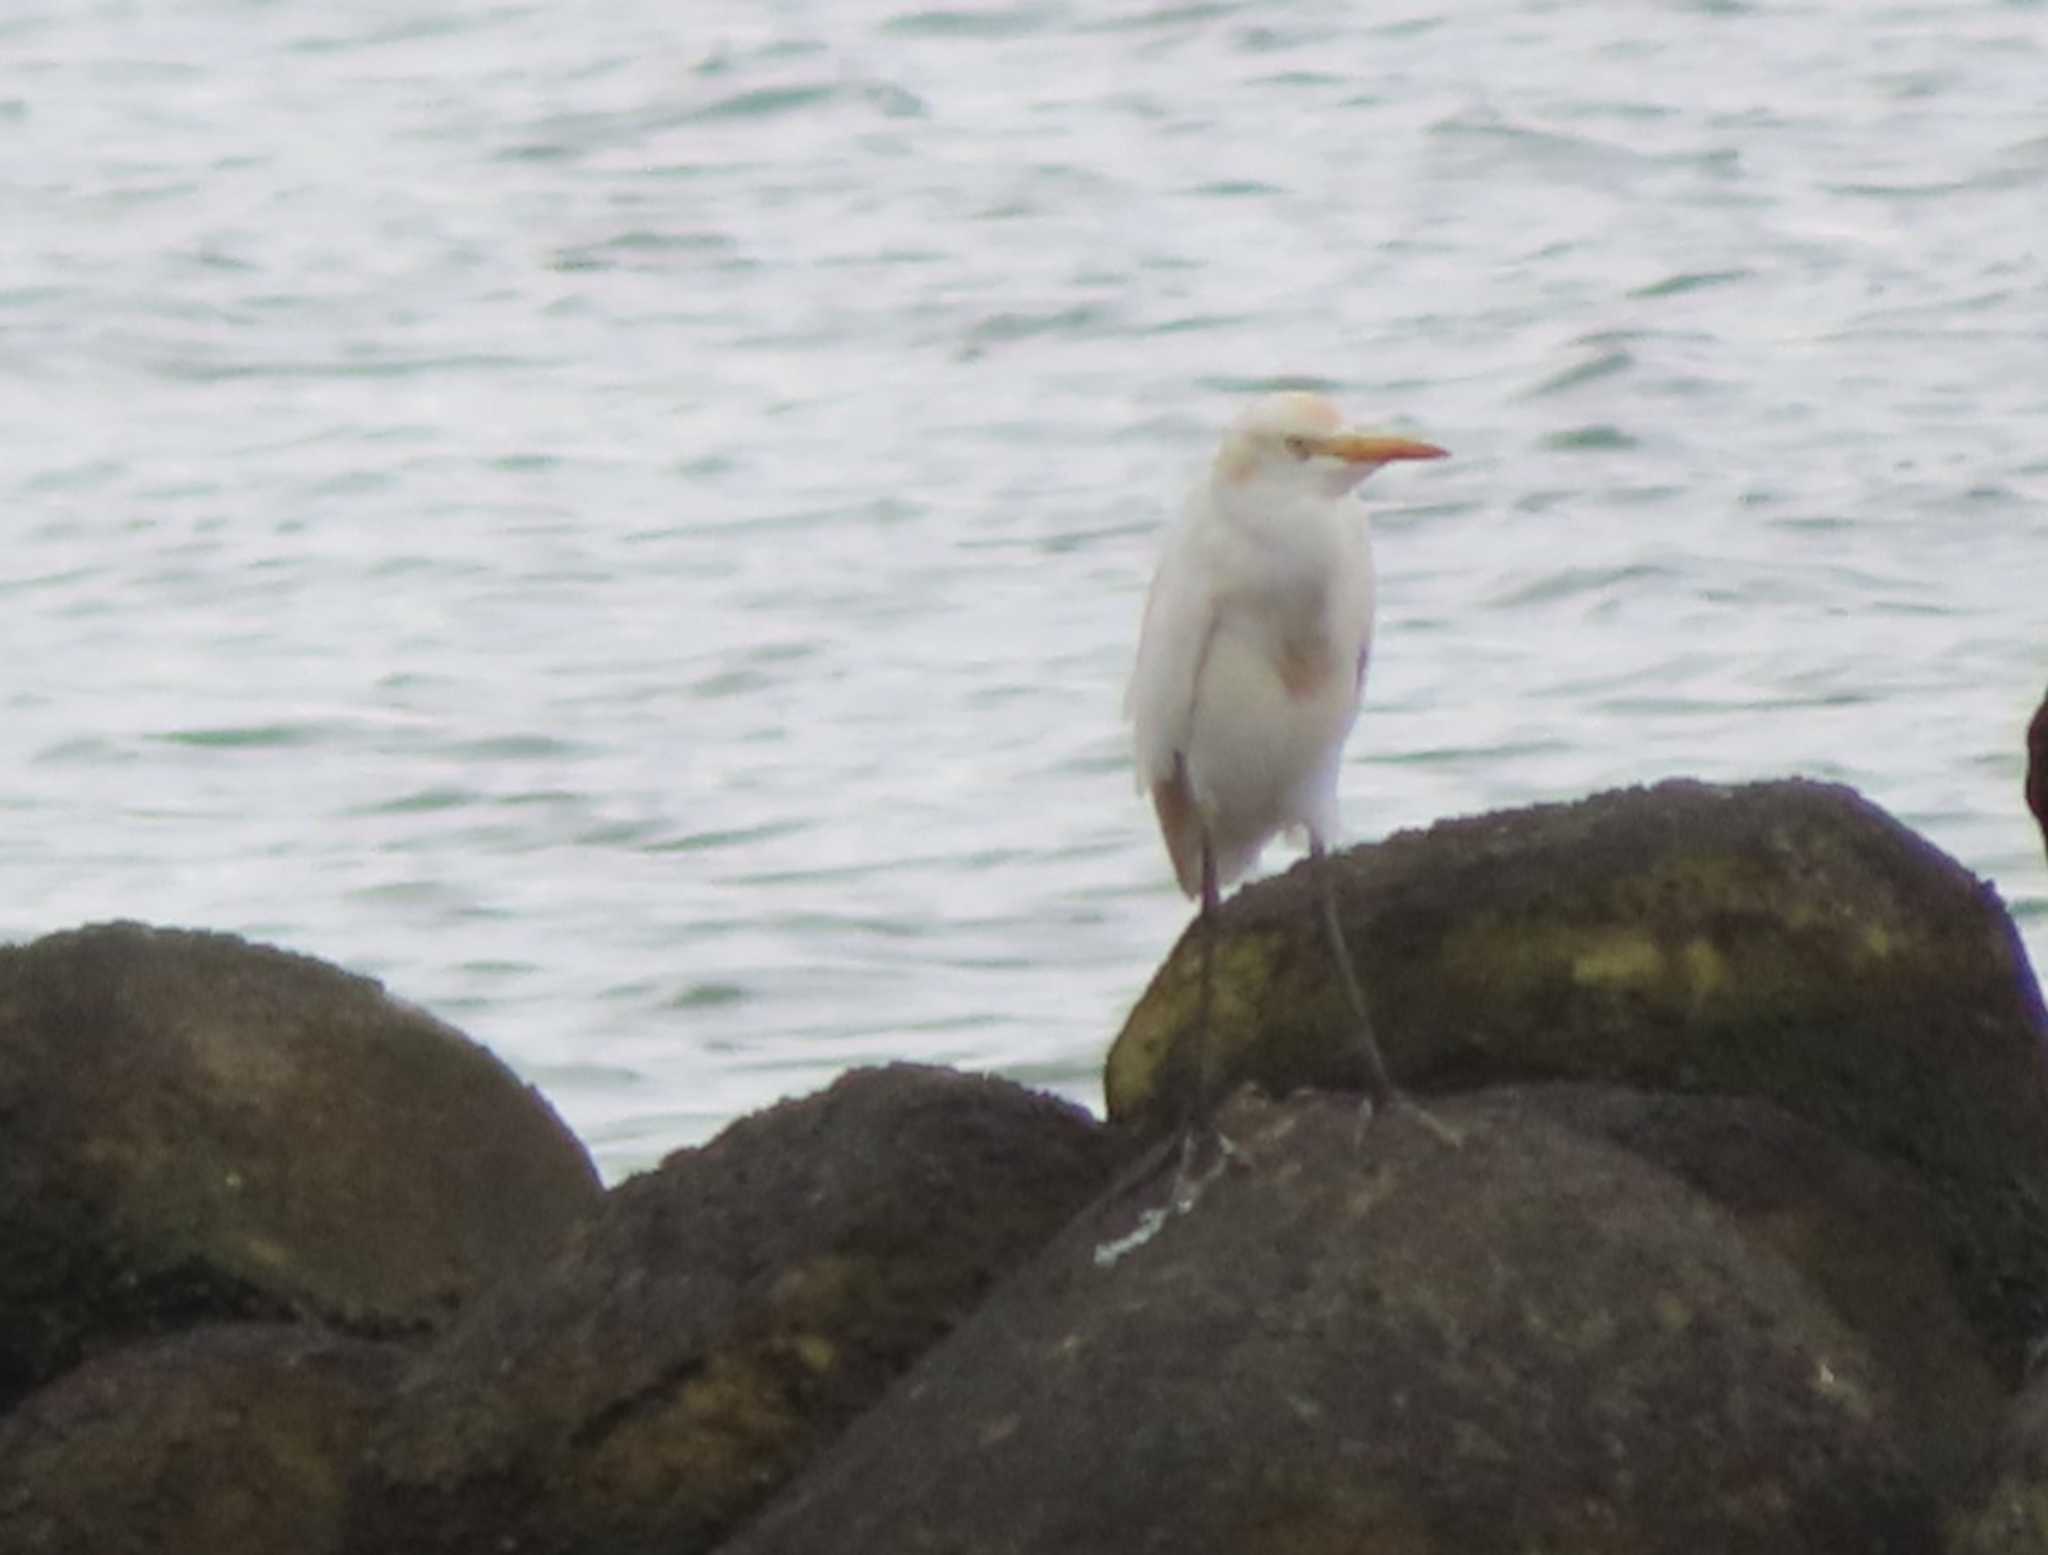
(194, 1128)
(1782, 940)
(231, 1440)
(723, 1318)
(1361, 1343)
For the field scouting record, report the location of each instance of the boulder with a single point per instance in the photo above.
(1867, 1238)
(232, 1440)
(723, 1318)
(1365, 1342)
(194, 1128)
(2008, 1513)
(1781, 940)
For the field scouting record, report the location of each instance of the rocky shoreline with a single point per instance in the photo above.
(1743, 1243)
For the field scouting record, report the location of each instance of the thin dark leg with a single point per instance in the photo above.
(1205, 1007)
(1198, 1126)
(1378, 1082)
(1383, 1094)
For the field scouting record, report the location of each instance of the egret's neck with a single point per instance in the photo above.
(1286, 543)
(1290, 511)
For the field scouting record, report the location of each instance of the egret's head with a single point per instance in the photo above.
(1300, 438)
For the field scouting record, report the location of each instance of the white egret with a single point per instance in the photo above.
(1251, 664)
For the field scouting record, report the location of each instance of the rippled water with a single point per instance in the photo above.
(628, 522)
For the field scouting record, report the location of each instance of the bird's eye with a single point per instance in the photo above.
(1298, 446)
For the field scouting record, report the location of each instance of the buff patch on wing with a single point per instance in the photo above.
(1305, 668)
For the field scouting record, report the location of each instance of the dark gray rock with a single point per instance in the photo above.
(1867, 1238)
(234, 1440)
(723, 1318)
(2007, 1513)
(1537, 1341)
(194, 1128)
(1783, 940)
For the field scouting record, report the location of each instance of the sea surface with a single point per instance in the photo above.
(628, 522)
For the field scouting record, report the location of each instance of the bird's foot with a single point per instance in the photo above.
(1191, 1179)
(1400, 1102)
(1193, 1176)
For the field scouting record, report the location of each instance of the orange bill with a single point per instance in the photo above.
(1371, 448)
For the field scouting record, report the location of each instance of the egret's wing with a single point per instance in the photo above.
(1179, 628)
(1352, 610)
(1180, 618)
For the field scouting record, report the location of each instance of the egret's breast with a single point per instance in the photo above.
(1288, 617)
(1305, 663)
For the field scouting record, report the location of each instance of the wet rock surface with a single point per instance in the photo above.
(232, 1440)
(2007, 1512)
(1787, 941)
(724, 1317)
(194, 1128)
(1537, 1340)
(1867, 1238)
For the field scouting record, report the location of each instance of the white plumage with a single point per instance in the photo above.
(1251, 661)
